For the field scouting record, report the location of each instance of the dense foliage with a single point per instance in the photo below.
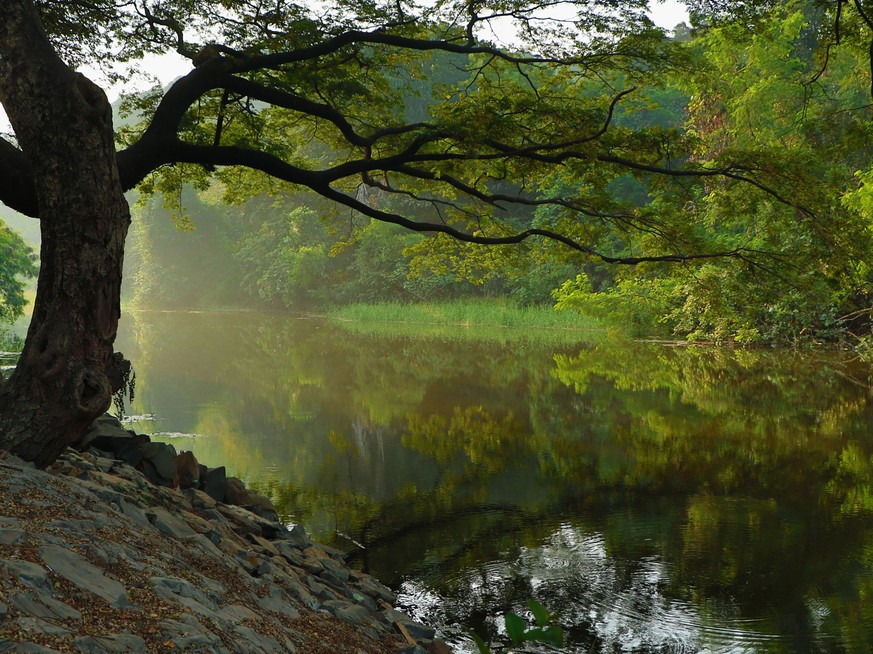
(766, 91)
(16, 264)
(780, 104)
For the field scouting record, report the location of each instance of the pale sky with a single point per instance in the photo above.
(666, 14)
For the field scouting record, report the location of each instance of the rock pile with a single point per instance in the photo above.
(95, 558)
(163, 466)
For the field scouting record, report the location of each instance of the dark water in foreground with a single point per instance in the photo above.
(659, 499)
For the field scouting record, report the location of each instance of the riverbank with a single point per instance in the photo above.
(95, 558)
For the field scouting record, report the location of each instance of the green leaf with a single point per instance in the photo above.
(480, 644)
(514, 628)
(540, 612)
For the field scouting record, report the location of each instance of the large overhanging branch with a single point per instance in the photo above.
(500, 201)
(17, 190)
(320, 183)
(249, 62)
(512, 239)
(160, 145)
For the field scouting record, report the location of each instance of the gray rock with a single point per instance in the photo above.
(135, 513)
(42, 627)
(312, 565)
(298, 590)
(336, 569)
(115, 518)
(207, 545)
(291, 553)
(183, 592)
(191, 637)
(255, 643)
(214, 483)
(199, 499)
(83, 574)
(417, 630)
(265, 568)
(167, 586)
(130, 452)
(76, 526)
(374, 589)
(104, 464)
(12, 536)
(364, 600)
(29, 648)
(43, 606)
(297, 537)
(334, 582)
(246, 522)
(316, 588)
(169, 524)
(114, 644)
(17, 463)
(353, 614)
(237, 613)
(412, 649)
(30, 573)
(277, 602)
(330, 551)
(162, 457)
(107, 434)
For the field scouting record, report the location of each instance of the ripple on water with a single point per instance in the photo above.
(626, 605)
(177, 434)
(605, 604)
(139, 417)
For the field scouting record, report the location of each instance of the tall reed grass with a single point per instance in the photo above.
(480, 319)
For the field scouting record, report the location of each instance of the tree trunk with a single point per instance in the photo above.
(63, 123)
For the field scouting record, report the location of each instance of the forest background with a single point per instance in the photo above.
(252, 242)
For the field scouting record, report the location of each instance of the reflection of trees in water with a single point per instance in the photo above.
(749, 475)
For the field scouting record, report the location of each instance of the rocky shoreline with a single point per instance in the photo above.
(98, 556)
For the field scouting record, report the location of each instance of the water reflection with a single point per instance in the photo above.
(658, 499)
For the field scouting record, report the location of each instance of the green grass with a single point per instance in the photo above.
(483, 319)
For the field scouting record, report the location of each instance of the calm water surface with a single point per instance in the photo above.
(658, 499)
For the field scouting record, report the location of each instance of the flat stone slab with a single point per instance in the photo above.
(30, 573)
(11, 536)
(114, 644)
(169, 524)
(43, 606)
(83, 574)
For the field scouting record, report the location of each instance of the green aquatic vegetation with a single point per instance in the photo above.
(491, 320)
(544, 631)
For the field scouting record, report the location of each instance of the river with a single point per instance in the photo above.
(658, 499)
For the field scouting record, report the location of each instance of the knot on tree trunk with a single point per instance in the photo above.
(92, 392)
(48, 356)
(99, 110)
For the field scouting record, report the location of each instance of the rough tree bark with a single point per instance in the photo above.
(63, 123)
